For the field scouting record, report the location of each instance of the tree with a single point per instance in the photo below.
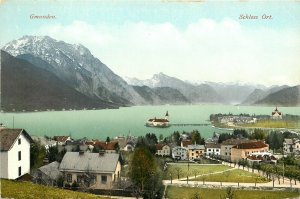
(224, 136)
(142, 167)
(258, 134)
(149, 141)
(161, 137)
(275, 140)
(52, 153)
(176, 137)
(117, 147)
(171, 173)
(178, 171)
(37, 153)
(240, 133)
(107, 139)
(196, 137)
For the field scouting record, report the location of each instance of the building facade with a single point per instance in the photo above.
(179, 153)
(212, 149)
(163, 150)
(227, 145)
(195, 151)
(15, 153)
(243, 150)
(291, 146)
(95, 170)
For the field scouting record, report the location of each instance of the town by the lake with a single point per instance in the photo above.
(149, 99)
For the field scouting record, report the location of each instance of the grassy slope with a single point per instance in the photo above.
(274, 124)
(235, 175)
(198, 169)
(187, 193)
(27, 190)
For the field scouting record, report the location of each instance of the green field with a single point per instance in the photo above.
(273, 124)
(27, 190)
(235, 175)
(188, 193)
(191, 170)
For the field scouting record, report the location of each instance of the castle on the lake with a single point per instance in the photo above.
(159, 122)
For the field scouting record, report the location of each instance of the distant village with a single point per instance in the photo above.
(103, 164)
(231, 121)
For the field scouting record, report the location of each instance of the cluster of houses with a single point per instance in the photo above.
(233, 120)
(95, 170)
(230, 150)
(100, 169)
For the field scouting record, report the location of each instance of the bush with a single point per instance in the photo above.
(75, 185)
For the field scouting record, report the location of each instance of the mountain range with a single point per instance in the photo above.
(52, 74)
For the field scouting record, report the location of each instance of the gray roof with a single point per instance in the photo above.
(9, 136)
(196, 146)
(288, 141)
(92, 162)
(51, 170)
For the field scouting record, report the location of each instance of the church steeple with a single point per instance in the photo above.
(167, 116)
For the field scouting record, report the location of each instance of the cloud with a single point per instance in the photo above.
(206, 50)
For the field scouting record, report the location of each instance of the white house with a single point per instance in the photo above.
(180, 152)
(291, 146)
(212, 149)
(15, 153)
(163, 150)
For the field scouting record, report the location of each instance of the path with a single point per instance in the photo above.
(277, 184)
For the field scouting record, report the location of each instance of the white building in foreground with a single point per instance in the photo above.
(15, 153)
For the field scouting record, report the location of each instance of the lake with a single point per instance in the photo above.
(99, 124)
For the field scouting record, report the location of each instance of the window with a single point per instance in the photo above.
(79, 179)
(20, 171)
(103, 179)
(225, 153)
(19, 141)
(19, 155)
(69, 178)
(93, 178)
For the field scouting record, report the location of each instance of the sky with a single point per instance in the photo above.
(194, 41)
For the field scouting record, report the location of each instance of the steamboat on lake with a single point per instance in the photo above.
(159, 122)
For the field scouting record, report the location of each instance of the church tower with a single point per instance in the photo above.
(167, 116)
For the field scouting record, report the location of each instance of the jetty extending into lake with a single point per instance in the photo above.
(204, 124)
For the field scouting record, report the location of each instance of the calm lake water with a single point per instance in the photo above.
(130, 120)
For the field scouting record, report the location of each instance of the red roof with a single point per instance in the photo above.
(104, 145)
(61, 138)
(186, 142)
(160, 146)
(251, 145)
(158, 120)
